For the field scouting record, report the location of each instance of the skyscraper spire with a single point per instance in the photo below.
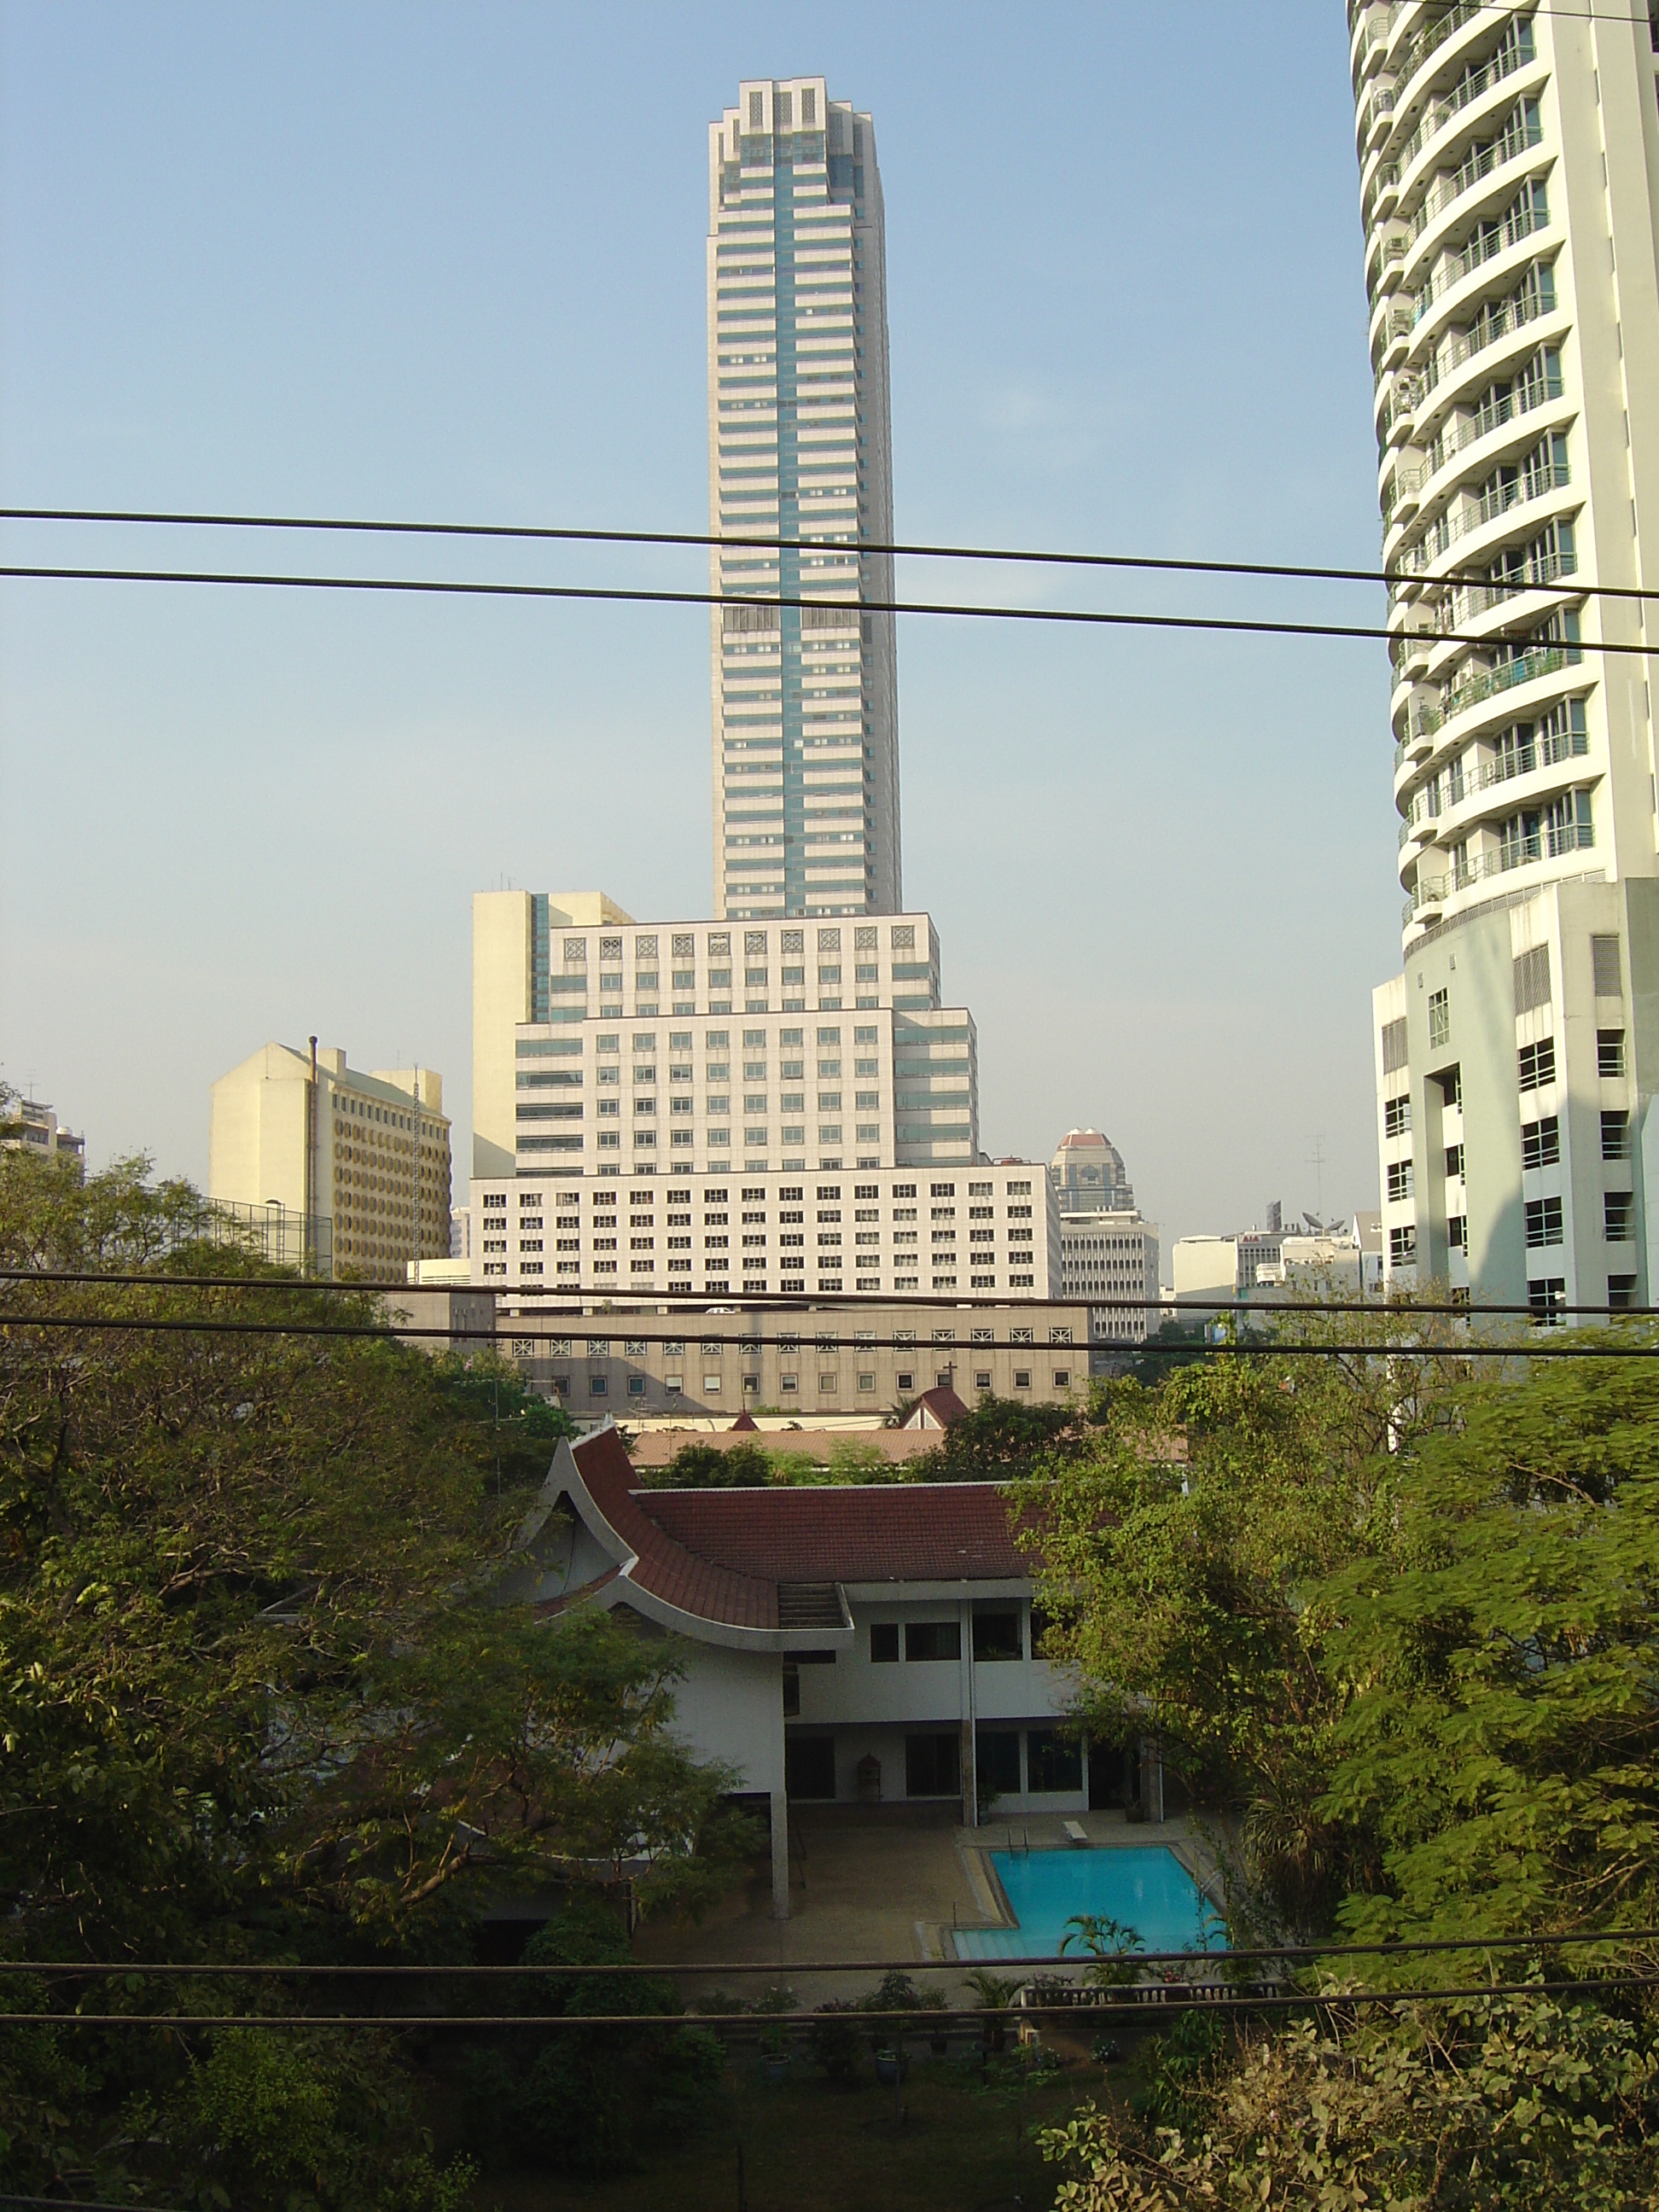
(804, 701)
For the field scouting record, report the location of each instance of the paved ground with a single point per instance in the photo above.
(872, 1883)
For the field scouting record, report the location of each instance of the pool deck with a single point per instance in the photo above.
(869, 1884)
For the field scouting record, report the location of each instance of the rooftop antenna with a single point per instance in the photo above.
(1316, 1158)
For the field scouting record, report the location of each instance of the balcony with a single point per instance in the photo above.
(1458, 438)
(1429, 42)
(1531, 484)
(1518, 52)
(1526, 668)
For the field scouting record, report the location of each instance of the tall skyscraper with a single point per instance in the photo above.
(806, 701)
(1510, 184)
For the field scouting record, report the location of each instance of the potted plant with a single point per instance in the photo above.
(995, 1992)
(774, 2057)
(892, 2067)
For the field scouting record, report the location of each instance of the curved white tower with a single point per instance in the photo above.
(1501, 152)
(1510, 191)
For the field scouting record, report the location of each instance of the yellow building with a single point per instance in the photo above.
(363, 1160)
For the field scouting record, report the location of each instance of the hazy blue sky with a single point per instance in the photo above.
(448, 263)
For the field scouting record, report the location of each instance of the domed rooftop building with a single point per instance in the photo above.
(1089, 1175)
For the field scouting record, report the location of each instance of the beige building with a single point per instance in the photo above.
(864, 1360)
(362, 1159)
(35, 1128)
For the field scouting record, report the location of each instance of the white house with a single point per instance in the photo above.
(870, 1643)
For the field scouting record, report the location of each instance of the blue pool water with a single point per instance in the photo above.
(1148, 1890)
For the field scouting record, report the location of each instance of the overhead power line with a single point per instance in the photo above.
(288, 1969)
(517, 1332)
(548, 533)
(1458, 1308)
(633, 595)
(920, 2015)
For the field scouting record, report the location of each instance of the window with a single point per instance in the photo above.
(933, 1639)
(1022, 1378)
(996, 1756)
(1439, 1020)
(1402, 1247)
(1062, 1378)
(933, 1766)
(1621, 1290)
(1543, 1216)
(1537, 1064)
(906, 1381)
(1457, 1231)
(809, 1766)
(1605, 966)
(1400, 1179)
(1052, 1763)
(1453, 1163)
(1619, 1216)
(1615, 1136)
(1540, 1142)
(1547, 1299)
(996, 1635)
(1610, 1052)
(1397, 1117)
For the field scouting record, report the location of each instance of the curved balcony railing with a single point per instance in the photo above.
(1519, 137)
(1518, 52)
(1529, 213)
(1428, 719)
(1534, 483)
(1550, 842)
(1410, 58)
(1548, 750)
(1457, 438)
(1503, 322)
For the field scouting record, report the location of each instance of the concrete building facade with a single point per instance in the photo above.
(34, 1128)
(804, 699)
(1509, 188)
(1109, 1253)
(715, 1362)
(1089, 1175)
(362, 1159)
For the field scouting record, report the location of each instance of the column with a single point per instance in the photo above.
(779, 1855)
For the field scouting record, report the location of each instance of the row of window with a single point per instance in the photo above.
(932, 1760)
(904, 1382)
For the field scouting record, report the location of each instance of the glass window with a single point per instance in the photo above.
(996, 1634)
(933, 1766)
(933, 1639)
(1051, 1763)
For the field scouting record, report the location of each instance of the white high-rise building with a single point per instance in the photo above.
(779, 1107)
(1509, 188)
(805, 700)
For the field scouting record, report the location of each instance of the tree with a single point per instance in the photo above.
(998, 1440)
(260, 1694)
(707, 1466)
(1511, 2103)
(1182, 1546)
(1496, 1655)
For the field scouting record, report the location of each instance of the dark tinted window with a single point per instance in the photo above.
(933, 1639)
(933, 1766)
(1052, 1763)
(996, 1635)
(884, 1639)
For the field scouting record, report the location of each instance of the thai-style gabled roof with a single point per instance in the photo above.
(766, 1568)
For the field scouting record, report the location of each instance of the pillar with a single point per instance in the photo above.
(780, 1856)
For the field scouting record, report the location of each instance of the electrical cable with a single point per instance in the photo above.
(922, 2015)
(838, 1299)
(683, 539)
(285, 1969)
(1243, 1347)
(627, 595)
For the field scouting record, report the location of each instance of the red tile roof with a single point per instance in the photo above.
(680, 1577)
(942, 1402)
(720, 1554)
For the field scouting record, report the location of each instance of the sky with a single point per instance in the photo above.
(446, 264)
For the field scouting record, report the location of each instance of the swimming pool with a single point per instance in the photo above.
(1147, 1889)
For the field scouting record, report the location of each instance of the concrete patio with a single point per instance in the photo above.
(879, 1883)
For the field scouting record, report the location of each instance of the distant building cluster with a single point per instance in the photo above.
(35, 1128)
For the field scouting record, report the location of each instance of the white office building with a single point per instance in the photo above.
(1108, 1253)
(1509, 189)
(805, 700)
(34, 1127)
(708, 1109)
